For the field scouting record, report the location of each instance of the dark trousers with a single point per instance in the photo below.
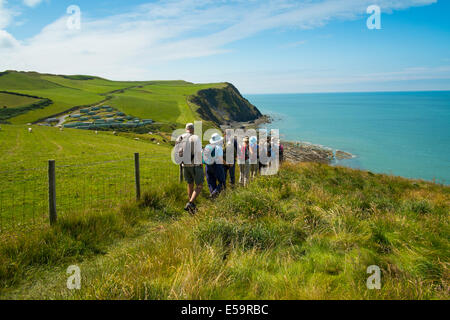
(232, 171)
(215, 176)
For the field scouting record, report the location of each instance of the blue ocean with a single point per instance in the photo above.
(400, 133)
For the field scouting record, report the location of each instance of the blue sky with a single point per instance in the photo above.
(260, 46)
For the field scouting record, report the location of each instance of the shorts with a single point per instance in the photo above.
(194, 174)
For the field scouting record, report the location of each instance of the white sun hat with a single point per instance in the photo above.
(215, 138)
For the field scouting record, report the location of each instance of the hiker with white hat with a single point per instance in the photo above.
(213, 157)
(189, 148)
(253, 148)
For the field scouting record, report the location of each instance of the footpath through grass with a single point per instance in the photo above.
(308, 233)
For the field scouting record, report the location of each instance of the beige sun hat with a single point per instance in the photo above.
(215, 138)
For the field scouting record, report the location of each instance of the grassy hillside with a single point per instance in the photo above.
(162, 101)
(308, 233)
(92, 170)
(22, 150)
(14, 101)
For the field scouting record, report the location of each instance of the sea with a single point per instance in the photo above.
(399, 133)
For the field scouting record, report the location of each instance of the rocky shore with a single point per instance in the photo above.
(295, 151)
(302, 152)
(305, 152)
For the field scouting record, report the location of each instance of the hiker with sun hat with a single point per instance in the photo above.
(213, 157)
(253, 148)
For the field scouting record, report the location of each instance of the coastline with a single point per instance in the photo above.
(295, 151)
(401, 134)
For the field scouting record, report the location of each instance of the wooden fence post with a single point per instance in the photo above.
(137, 176)
(52, 192)
(181, 173)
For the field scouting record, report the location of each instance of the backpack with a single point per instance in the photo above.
(211, 159)
(182, 144)
(245, 153)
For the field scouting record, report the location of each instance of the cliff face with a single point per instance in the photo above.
(221, 105)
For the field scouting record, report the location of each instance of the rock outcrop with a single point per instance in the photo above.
(223, 105)
(300, 152)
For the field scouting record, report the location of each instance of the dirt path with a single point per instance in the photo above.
(62, 119)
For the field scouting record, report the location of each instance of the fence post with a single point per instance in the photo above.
(181, 173)
(52, 192)
(137, 176)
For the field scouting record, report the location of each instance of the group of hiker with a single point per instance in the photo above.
(220, 160)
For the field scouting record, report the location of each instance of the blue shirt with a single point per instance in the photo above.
(207, 154)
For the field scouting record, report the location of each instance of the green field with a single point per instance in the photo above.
(92, 170)
(14, 101)
(163, 101)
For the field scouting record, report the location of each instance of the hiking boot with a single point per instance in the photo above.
(191, 208)
(215, 194)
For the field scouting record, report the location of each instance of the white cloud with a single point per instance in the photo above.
(7, 41)
(131, 45)
(6, 14)
(32, 3)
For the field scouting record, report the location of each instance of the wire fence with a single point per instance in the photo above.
(80, 187)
